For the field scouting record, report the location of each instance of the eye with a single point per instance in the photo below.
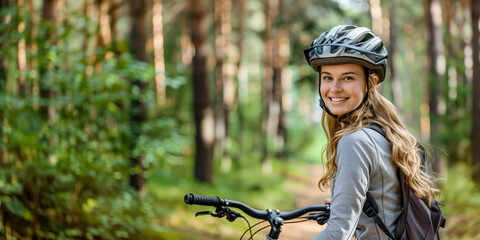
(326, 78)
(349, 78)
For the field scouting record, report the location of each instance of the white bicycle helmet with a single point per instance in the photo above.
(345, 44)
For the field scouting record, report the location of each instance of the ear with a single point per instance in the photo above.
(374, 80)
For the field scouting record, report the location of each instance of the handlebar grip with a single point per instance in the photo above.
(203, 200)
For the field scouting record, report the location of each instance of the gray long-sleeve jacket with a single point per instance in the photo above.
(363, 164)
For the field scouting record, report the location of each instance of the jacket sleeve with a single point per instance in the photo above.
(355, 155)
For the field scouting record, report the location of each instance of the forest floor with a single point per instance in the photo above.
(303, 186)
(308, 194)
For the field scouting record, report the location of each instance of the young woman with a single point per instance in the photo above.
(351, 61)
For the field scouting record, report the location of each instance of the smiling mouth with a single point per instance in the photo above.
(337, 99)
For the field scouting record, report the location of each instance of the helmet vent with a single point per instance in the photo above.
(334, 49)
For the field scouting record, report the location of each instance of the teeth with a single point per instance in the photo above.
(338, 99)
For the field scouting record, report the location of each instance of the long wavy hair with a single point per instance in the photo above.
(379, 110)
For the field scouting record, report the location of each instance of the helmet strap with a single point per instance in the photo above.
(324, 107)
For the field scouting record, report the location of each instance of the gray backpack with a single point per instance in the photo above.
(417, 220)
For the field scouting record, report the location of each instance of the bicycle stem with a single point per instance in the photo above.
(276, 222)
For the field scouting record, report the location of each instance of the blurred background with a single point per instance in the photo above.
(112, 110)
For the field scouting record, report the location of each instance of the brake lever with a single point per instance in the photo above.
(204, 213)
(321, 217)
(232, 215)
(221, 212)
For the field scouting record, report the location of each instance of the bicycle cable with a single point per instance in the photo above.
(264, 227)
(249, 228)
(255, 233)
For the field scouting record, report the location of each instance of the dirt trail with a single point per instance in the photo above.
(307, 193)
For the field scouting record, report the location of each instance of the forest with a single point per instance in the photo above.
(112, 110)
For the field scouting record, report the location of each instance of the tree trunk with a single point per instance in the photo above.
(159, 59)
(396, 84)
(21, 52)
(204, 119)
(113, 13)
(104, 37)
(229, 88)
(3, 85)
(220, 39)
(476, 89)
(280, 64)
(270, 110)
(31, 48)
(138, 109)
(49, 17)
(87, 11)
(436, 102)
(376, 15)
(242, 74)
(223, 81)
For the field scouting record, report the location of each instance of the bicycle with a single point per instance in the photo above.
(276, 218)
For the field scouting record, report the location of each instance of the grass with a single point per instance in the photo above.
(461, 197)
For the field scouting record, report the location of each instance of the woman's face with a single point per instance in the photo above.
(342, 87)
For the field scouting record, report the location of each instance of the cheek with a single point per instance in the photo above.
(323, 91)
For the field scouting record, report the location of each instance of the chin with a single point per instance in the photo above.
(338, 113)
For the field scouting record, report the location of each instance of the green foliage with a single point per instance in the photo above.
(66, 175)
(462, 203)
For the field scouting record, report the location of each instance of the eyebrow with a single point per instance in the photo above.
(345, 73)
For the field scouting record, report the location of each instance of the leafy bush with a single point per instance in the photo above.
(66, 175)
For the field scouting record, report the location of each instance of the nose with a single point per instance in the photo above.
(336, 86)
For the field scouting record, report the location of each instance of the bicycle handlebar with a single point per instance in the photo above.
(219, 202)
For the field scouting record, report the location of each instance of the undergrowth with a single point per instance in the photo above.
(461, 197)
(249, 185)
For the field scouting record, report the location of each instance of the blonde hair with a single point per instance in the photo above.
(379, 110)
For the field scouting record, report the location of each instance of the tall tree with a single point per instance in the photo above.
(396, 84)
(3, 81)
(49, 10)
(138, 109)
(30, 31)
(376, 15)
(281, 53)
(220, 43)
(222, 78)
(476, 88)
(88, 13)
(113, 13)
(21, 51)
(158, 49)
(104, 37)
(458, 101)
(436, 101)
(242, 73)
(270, 108)
(203, 112)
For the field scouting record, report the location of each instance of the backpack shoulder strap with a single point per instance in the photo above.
(370, 207)
(371, 210)
(377, 128)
